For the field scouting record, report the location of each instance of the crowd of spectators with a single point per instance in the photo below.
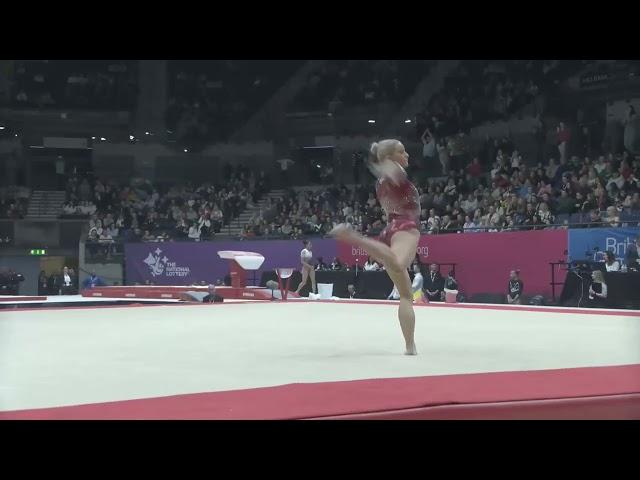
(301, 213)
(507, 195)
(142, 211)
(14, 202)
(350, 83)
(101, 84)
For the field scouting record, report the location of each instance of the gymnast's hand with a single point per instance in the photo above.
(388, 169)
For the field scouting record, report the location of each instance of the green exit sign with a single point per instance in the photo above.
(37, 251)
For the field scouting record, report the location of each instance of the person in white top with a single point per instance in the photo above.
(610, 262)
(394, 295)
(307, 269)
(371, 265)
(418, 280)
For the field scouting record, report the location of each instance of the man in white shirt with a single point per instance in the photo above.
(433, 221)
(470, 204)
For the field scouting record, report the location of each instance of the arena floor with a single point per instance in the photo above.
(95, 361)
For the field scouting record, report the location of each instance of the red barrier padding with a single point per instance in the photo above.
(529, 392)
(21, 299)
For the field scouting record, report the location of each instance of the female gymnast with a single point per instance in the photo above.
(397, 244)
(307, 269)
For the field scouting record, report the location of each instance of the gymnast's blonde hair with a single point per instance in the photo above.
(382, 149)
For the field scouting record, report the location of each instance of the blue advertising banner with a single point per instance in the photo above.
(583, 243)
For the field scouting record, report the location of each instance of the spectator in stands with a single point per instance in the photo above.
(429, 151)
(515, 288)
(443, 155)
(336, 264)
(613, 218)
(566, 204)
(204, 225)
(287, 228)
(610, 262)
(434, 284)
(147, 237)
(371, 265)
(594, 219)
(106, 242)
(321, 265)
(544, 214)
(69, 208)
(194, 232)
(469, 225)
(93, 281)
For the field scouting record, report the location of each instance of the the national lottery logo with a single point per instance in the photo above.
(159, 264)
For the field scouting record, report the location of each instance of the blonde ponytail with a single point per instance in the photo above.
(382, 149)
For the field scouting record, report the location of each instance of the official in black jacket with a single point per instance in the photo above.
(433, 284)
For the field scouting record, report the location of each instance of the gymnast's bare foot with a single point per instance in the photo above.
(411, 350)
(343, 232)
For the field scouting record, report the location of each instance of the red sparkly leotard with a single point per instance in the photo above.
(401, 203)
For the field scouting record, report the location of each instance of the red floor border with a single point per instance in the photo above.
(606, 407)
(543, 392)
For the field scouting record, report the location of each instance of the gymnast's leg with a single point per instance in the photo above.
(303, 282)
(396, 260)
